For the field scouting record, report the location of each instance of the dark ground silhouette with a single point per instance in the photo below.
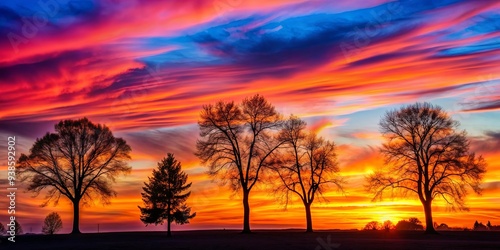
(261, 240)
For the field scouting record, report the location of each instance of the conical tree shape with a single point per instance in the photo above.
(165, 195)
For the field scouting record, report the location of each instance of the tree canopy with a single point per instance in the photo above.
(426, 155)
(236, 142)
(80, 161)
(304, 166)
(165, 195)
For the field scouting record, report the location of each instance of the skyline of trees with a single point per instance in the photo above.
(242, 143)
(388, 225)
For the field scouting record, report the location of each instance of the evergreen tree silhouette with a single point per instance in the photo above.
(165, 195)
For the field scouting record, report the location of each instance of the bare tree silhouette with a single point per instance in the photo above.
(79, 161)
(427, 156)
(52, 223)
(236, 141)
(304, 166)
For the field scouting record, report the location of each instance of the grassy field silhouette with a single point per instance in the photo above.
(260, 239)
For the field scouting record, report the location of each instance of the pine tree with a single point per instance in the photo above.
(165, 195)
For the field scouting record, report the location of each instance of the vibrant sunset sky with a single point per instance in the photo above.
(145, 68)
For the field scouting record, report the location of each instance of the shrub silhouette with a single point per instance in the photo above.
(388, 225)
(19, 228)
(442, 226)
(479, 226)
(410, 224)
(372, 225)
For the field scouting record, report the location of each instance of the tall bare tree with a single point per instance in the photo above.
(79, 161)
(304, 166)
(236, 141)
(427, 156)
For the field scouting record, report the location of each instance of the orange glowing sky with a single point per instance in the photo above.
(146, 68)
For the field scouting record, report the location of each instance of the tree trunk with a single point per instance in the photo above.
(308, 217)
(429, 224)
(169, 220)
(76, 217)
(169, 234)
(246, 215)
